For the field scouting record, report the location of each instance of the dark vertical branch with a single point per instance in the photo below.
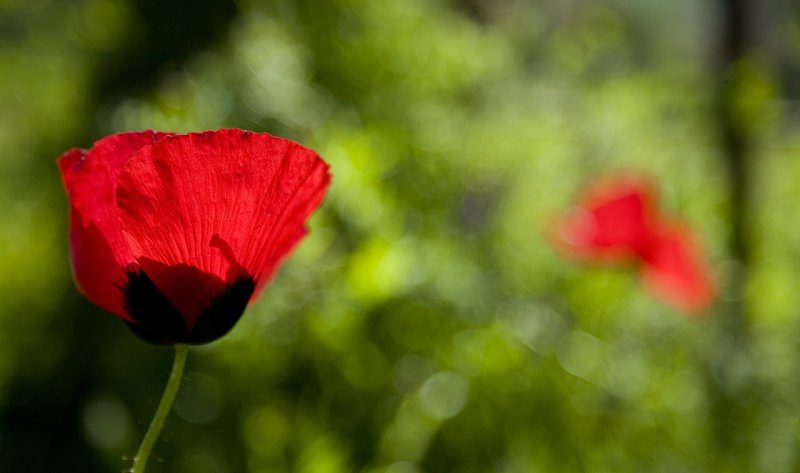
(731, 385)
(736, 144)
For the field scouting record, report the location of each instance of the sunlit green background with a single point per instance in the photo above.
(424, 325)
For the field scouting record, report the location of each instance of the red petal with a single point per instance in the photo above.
(97, 248)
(224, 202)
(613, 221)
(674, 270)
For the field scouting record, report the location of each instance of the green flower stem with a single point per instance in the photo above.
(140, 460)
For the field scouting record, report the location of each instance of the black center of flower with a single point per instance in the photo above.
(158, 321)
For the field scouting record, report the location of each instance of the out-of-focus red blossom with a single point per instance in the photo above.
(674, 270)
(616, 220)
(611, 223)
(176, 234)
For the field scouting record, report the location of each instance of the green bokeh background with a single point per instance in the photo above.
(424, 325)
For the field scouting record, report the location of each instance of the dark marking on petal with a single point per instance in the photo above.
(157, 319)
(223, 312)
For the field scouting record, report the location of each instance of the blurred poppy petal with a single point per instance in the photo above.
(612, 222)
(616, 221)
(674, 270)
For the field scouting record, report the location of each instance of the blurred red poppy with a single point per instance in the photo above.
(674, 269)
(616, 220)
(612, 222)
(176, 233)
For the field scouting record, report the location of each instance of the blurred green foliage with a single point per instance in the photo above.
(424, 325)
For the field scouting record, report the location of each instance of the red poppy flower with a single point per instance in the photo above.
(674, 270)
(612, 222)
(616, 220)
(175, 234)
